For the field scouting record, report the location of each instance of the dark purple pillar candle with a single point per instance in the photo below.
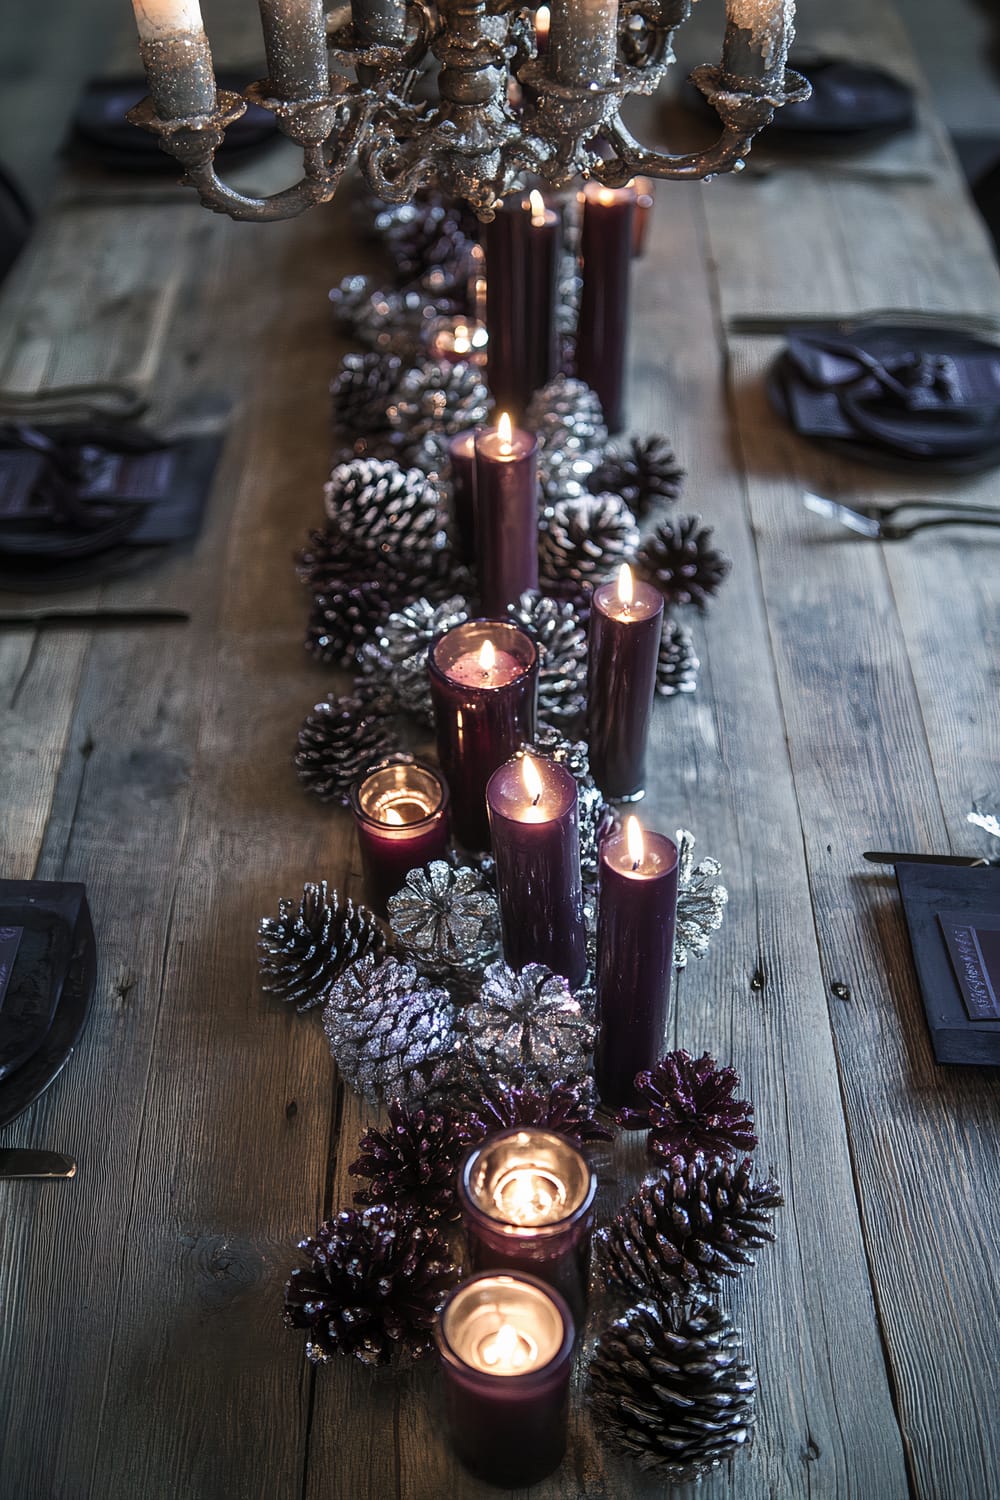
(626, 619)
(543, 251)
(637, 909)
(506, 515)
(506, 1345)
(483, 713)
(505, 304)
(527, 1201)
(535, 835)
(402, 816)
(462, 453)
(602, 330)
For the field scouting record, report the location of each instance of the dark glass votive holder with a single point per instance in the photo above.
(527, 1201)
(401, 811)
(484, 710)
(506, 1346)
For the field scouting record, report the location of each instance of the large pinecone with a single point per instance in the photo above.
(361, 393)
(701, 901)
(378, 504)
(677, 666)
(586, 539)
(562, 656)
(413, 1163)
(692, 1106)
(669, 1387)
(308, 945)
(391, 1034)
(431, 405)
(567, 418)
(567, 1108)
(645, 474)
(682, 563)
(395, 659)
(695, 1223)
(446, 919)
(527, 1029)
(375, 1283)
(340, 740)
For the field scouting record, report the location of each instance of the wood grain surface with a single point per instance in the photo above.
(848, 698)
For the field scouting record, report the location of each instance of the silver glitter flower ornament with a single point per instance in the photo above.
(701, 901)
(527, 1029)
(446, 919)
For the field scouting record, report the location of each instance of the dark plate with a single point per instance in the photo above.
(23, 1087)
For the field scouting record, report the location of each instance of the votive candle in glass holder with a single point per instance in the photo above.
(484, 685)
(527, 1201)
(535, 835)
(506, 1347)
(401, 813)
(626, 620)
(637, 912)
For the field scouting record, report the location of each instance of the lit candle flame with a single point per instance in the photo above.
(626, 588)
(634, 841)
(392, 816)
(487, 657)
(505, 1349)
(537, 208)
(462, 340)
(532, 780)
(505, 432)
(543, 19)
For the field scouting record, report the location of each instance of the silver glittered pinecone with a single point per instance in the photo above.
(567, 418)
(432, 403)
(701, 901)
(361, 393)
(392, 322)
(380, 505)
(669, 1387)
(391, 1034)
(446, 919)
(562, 656)
(304, 949)
(339, 741)
(596, 817)
(680, 560)
(527, 1028)
(586, 539)
(394, 660)
(677, 666)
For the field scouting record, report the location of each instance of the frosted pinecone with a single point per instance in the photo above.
(586, 539)
(677, 665)
(701, 901)
(562, 656)
(432, 404)
(567, 418)
(378, 504)
(395, 658)
(391, 1034)
(361, 393)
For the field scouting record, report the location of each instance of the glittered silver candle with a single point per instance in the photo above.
(583, 41)
(295, 43)
(176, 57)
(758, 36)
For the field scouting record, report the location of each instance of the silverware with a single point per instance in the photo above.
(751, 323)
(986, 821)
(22, 1161)
(970, 861)
(872, 520)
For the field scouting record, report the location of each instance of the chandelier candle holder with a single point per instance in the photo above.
(626, 621)
(535, 835)
(506, 1347)
(527, 1200)
(484, 686)
(473, 143)
(462, 456)
(402, 816)
(506, 514)
(637, 913)
(606, 241)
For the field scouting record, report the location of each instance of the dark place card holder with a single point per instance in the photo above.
(939, 900)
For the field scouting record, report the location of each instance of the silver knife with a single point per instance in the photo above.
(22, 1161)
(969, 861)
(834, 511)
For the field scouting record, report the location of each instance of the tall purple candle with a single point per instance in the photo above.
(527, 1200)
(637, 909)
(602, 330)
(401, 813)
(626, 619)
(506, 515)
(505, 304)
(535, 834)
(484, 677)
(462, 453)
(506, 1345)
(543, 250)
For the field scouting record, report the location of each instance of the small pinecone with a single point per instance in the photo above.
(375, 1283)
(646, 474)
(562, 656)
(446, 919)
(377, 504)
(677, 667)
(362, 392)
(701, 901)
(413, 1163)
(586, 539)
(573, 591)
(567, 1108)
(339, 741)
(692, 1107)
(395, 659)
(436, 402)
(308, 945)
(680, 560)
(391, 1034)
(344, 617)
(668, 1387)
(527, 1029)
(594, 813)
(390, 322)
(567, 418)
(695, 1223)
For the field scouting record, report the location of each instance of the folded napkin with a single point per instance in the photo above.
(848, 99)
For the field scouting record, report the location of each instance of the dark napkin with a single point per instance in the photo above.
(847, 99)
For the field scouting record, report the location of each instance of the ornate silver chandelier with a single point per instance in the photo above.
(342, 87)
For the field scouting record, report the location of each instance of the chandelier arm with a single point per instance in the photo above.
(727, 154)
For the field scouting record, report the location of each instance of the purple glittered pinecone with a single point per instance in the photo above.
(567, 1108)
(692, 1106)
(374, 1285)
(679, 559)
(413, 1163)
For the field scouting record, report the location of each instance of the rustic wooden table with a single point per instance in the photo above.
(847, 699)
